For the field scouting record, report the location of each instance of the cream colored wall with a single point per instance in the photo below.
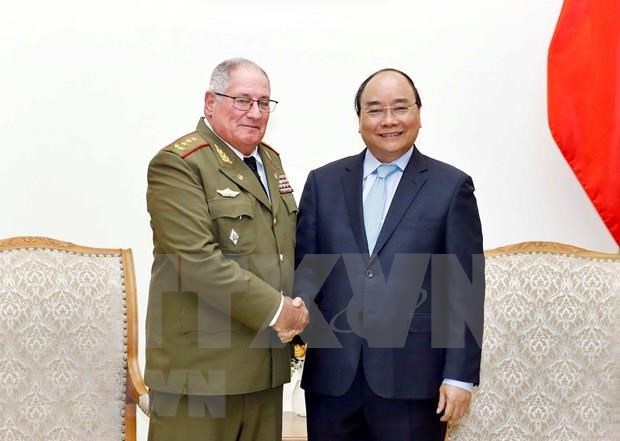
(90, 91)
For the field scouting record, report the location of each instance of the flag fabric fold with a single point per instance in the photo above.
(584, 100)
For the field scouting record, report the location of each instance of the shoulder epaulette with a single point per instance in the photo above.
(186, 145)
(270, 148)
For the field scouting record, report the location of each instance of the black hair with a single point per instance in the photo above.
(360, 90)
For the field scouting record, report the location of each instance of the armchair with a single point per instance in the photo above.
(551, 353)
(68, 342)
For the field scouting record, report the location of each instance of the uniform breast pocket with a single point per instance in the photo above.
(236, 228)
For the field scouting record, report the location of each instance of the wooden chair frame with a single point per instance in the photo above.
(135, 387)
(549, 247)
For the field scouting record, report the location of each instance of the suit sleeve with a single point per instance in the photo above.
(185, 233)
(462, 299)
(306, 222)
(312, 268)
(306, 248)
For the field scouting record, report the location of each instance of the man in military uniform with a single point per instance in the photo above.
(223, 220)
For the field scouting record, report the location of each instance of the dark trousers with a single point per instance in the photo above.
(362, 415)
(249, 417)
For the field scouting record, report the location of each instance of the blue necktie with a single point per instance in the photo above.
(374, 204)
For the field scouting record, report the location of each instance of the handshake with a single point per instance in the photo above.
(292, 320)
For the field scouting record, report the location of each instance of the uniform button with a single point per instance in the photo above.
(275, 221)
(281, 258)
(369, 274)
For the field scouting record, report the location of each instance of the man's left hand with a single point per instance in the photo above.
(453, 401)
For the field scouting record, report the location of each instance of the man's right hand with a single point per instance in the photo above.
(292, 320)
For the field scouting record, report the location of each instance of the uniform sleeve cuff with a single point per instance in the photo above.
(277, 314)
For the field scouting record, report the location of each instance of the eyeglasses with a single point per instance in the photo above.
(244, 103)
(380, 112)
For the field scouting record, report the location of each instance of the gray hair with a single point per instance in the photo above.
(221, 74)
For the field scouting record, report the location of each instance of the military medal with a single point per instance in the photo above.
(284, 185)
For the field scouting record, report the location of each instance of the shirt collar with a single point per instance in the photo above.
(371, 163)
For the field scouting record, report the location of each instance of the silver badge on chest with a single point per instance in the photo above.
(234, 236)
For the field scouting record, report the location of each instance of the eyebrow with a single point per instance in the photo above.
(401, 101)
(247, 95)
(396, 101)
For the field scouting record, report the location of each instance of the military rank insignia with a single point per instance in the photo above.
(184, 143)
(222, 155)
(284, 185)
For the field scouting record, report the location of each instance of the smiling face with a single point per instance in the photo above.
(243, 129)
(390, 136)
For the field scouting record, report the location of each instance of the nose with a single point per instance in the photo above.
(389, 117)
(254, 112)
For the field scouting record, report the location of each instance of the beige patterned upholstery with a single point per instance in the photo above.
(68, 341)
(550, 360)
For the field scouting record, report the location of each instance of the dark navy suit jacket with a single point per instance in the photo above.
(412, 313)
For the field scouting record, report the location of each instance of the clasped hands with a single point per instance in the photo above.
(292, 320)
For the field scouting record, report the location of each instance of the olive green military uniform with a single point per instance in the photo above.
(223, 253)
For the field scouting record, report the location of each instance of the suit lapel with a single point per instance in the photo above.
(233, 167)
(352, 189)
(413, 179)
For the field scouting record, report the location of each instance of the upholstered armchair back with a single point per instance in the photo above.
(550, 360)
(68, 341)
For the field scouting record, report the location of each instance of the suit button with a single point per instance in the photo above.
(370, 274)
(281, 257)
(275, 221)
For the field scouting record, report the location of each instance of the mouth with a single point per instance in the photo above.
(390, 134)
(249, 127)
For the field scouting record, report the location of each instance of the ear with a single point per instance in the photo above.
(209, 103)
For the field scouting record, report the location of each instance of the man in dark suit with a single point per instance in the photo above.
(389, 261)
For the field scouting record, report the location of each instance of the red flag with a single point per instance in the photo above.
(584, 100)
